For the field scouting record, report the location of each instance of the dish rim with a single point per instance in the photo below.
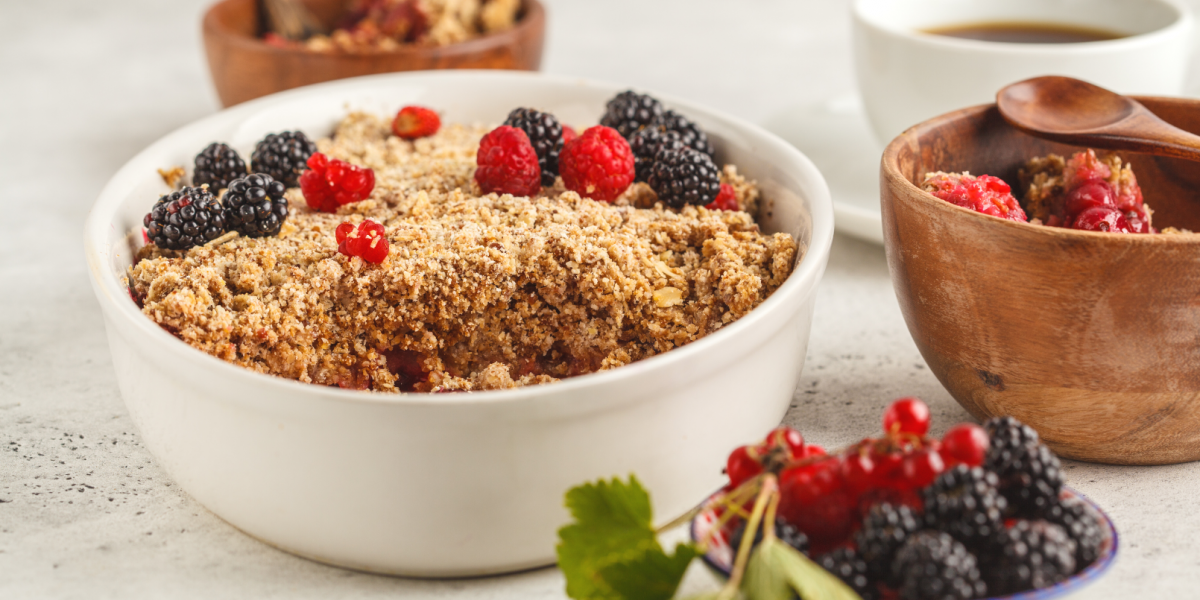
(114, 297)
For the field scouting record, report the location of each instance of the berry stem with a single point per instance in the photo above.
(770, 489)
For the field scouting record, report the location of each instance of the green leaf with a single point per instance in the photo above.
(765, 577)
(777, 562)
(651, 576)
(611, 552)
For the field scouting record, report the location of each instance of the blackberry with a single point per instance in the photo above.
(1073, 515)
(884, 529)
(933, 565)
(846, 565)
(965, 503)
(1027, 556)
(629, 111)
(217, 165)
(186, 218)
(282, 156)
(1030, 474)
(545, 133)
(786, 532)
(689, 133)
(255, 206)
(647, 143)
(684, 176)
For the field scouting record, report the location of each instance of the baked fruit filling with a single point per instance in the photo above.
(430, 285)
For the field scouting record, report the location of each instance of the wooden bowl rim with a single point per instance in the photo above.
(530, 23)
(892, 177)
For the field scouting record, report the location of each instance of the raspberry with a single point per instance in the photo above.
(629, 111)
(507, 163)
(255, 206)
(597, 164)
(986, 194)
(414, 122)
(329, 183)
(282, 156)
(726, 199)
(217, 166)
(684, 176)
(367, 241)
(545, 134)
(183, 219)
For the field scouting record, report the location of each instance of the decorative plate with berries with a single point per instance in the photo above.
(984, 508)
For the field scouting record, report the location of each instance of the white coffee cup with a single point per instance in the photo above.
(906, 75)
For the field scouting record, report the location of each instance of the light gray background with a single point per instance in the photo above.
(84, 510)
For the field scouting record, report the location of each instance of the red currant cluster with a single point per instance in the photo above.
(1094, 203)
(825, 496)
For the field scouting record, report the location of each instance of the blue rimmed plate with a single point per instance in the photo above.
(719, 556)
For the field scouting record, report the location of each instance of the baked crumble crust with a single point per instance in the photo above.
(479, 291)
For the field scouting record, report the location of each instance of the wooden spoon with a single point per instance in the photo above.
(1075, 112)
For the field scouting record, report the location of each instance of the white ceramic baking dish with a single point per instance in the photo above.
(450, 484)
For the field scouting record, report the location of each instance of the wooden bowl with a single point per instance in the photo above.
(1091, 338)
(245, 67)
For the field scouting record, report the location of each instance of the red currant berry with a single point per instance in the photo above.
(726, 199)
(343, 230)
(906, 415)
(921, 468)
(811, 450)
(414, 122)
(858, 472)
(965, 443)
(329, 183)
(741, 467)
(789, 438)
(1102, 218)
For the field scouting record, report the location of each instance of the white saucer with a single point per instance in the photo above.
(836, 136)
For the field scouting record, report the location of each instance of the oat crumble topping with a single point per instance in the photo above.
(479, 291)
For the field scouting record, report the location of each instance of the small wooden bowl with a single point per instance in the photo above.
(1091, 338)
(245, 67)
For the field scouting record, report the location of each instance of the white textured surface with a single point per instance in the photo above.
(86, 513)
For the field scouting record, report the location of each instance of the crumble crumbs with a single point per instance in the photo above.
(479, 291)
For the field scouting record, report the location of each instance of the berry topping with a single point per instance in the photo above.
(689, 133)
(684, 176)
(932, 564)
(329, 183)
(986, 194)
(597, 164)
(1089, 194)
(1030, 555)
(569, 134)
(255, 206)
(282, 156)
(414, 122)
(183, 219)
(628, 112)
(965, 443)
(726, 199)
(546, 135)
(507, 163)
(216, 166)
(367, 241)
(907, 415)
